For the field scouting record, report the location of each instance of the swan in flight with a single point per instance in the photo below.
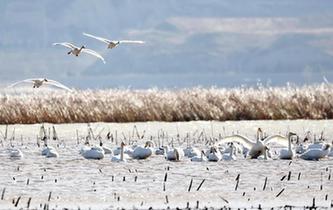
(287, 153)
(74, 50)
(316, 153)
(258, 147)
(114, 43)
(38, 82)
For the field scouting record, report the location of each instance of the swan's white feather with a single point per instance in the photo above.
(66, 44)
(94, 53)
(98, 38)
(246, 142)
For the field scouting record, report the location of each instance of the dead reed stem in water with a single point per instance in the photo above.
(124, 105)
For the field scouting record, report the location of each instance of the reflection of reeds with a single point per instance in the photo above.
(309, 102)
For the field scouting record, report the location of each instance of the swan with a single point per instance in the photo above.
(52, 153)
(38, 82)
(121, 157)
(15, 153)
(230, 154)
(255, 148)
(113, 43)
(94, 152)
(214, 154)
(143, 152)
(201, 158)
(106, 149)
(174, 154)
(77, 50)
(316, 153)
(191, 152)
(287, 153)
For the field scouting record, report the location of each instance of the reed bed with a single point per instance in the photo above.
(125, 105)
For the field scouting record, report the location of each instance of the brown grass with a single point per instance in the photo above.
(114, 105)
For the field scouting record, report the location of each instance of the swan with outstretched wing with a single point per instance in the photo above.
(74, 50)
(38, 82)
(113, 43)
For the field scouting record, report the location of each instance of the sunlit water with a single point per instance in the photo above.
(77, 182)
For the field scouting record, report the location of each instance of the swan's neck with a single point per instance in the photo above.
(81, 49)
(289, 142)
(259, 136)
(231, 150)
(122, 153)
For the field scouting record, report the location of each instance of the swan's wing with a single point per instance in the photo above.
(279, 139)
(23, 81)
(246, 142)
(91, 52)
(130, 42)
(65, 44)
(58, 84)
(98, 38)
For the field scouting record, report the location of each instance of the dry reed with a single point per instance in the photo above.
(125, 105)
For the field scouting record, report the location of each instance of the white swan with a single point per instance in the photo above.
(229, 155)
(77, 50)
(141, 152)
(38, 82)
(255, 148)
(52, 153)
(94, 152)
(121, 157)
(106, 149)
(191, 151)
(201, 158)
(15, 153)
(173, 154)
(316, 153)
(113, 43)
(287, 153)
(214, 154)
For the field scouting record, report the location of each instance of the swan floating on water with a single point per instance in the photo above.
(38, 82)
(287, 153)
(173, 154)
(214, 154)
(316, 153)
(229, 155)
(94, 152)
(121, 157)
(201, 158)
(255, 148)
(15, 153)
(191, 151)
(77, 50)
(141, 152)
(113, 43)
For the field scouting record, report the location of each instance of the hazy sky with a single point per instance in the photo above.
(188, 42)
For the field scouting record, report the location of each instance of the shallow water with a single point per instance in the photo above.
(76, 182)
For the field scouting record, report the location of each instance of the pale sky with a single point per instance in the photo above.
(188, 43)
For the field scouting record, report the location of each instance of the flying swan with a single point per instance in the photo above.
(77, 50)
(114, 43)
(38, 82)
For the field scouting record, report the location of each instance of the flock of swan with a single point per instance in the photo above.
(76, 51)
(229, 148)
